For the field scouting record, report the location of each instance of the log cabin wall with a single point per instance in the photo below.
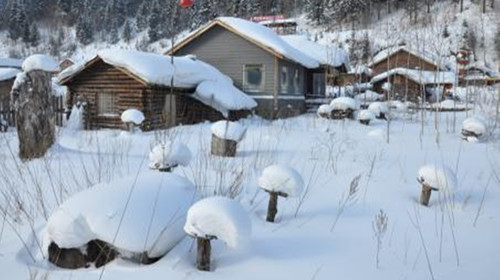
(402, 88)
(402, 59)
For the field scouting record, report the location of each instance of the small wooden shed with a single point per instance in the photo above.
(403, 57)
(116, 80)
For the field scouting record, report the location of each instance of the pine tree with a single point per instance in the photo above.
(315, 10)
(34, 35)
(142, 16)
(154, 23)
(127, 31)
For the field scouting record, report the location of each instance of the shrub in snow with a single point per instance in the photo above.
(31, 97)
(434, 178)
(279, 180)
(166, 156)
(365, 116)
(132, 118)
(225, 138)
(368, 96)
(216, 218)
(324, 111)
(343, 107)
(472, 129)
(380, 109)
(96, 222)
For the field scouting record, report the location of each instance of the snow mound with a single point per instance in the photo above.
(168, 155)
(368, 96)
(366, 115)
(378, 108)
(324, 109)
(441, 178)
(219, 217)
(40, 62)
(8, 73)
(447, 104)
(474, 125)
(223, 96)
(228, 130)
(281, 178)
(398, 105)
(344, 103)
(132, 116)
(152, 221)
(75, 122)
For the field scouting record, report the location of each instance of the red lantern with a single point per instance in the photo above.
(186, 3)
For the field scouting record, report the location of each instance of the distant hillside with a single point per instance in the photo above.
(77, 29)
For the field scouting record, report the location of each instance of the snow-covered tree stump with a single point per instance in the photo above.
(426, 194)
(279, 180)
(132, 119)
(365, 116)
(31, 97)
(380, 109)
(433, 178)
(225, 138)
(216, 218)
(473, 129)
(343, 107)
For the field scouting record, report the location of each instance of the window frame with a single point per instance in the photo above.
(260, 87)
(110, 110)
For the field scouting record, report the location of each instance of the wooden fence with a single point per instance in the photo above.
(7, 114)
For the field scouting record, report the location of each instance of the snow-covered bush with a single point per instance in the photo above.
(279, 180)
(168, 155)
(150, 225)
(473, 129)
(380, 109)
(435, 178)
(225, 137)
(343, 107)
(365, 116)
(217, 218)
(324, 111)
(132, 118)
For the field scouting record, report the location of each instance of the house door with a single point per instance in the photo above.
(318, 84)
(169, 110)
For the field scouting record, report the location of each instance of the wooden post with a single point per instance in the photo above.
(272, 208)
(204, 250)
(426, 195)
(223, 147)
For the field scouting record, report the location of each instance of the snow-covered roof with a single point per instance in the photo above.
(40, 62)
(419, 76)
(212, 87)
(259, 35)
(8, 73)
(324, 55)
(426, 56)
(278, 21)
(11, 63)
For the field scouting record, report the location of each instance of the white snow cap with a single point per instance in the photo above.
(8, 73)
(132, 116)
(219, 217)
(378, 108)
(152, 221)
(169, 154)
(281, 178)
(344, 103)
(475, 125)
(324, 109)
(369, 96)
(40, 62)
(366, 115)
(441, 178)
(228, 130)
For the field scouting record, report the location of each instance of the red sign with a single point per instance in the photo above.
(267, 18)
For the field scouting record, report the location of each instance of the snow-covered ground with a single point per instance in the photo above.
(327, 232)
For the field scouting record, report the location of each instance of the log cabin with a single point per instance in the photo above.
(185, 92)
(403, 57)
(9, 68)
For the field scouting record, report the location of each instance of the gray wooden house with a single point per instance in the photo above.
(274, 72)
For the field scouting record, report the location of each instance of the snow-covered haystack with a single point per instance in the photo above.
(365, 116)
(132, 118)
(473, 129)
(324, 111)
(435, 178)
(343, 107)
(380, 109)
(166, 156)
(217, 218)
(279, 180)
(368, 97)
(225, 137)
(140, 216)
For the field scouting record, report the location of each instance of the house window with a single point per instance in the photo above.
(284, 79)
(253, 78)
(106, 104)
(297, 82)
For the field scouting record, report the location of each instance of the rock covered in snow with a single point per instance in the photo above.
(344, 103)
(474, 126)
(152, 222)
(40, 62)
(378, 108)
(324, 110)
(228, 130)
(219, 217)
(132, 116)
(283, 179)
(440, 178)
(368, 96)
(366, 115)
(168, 155)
